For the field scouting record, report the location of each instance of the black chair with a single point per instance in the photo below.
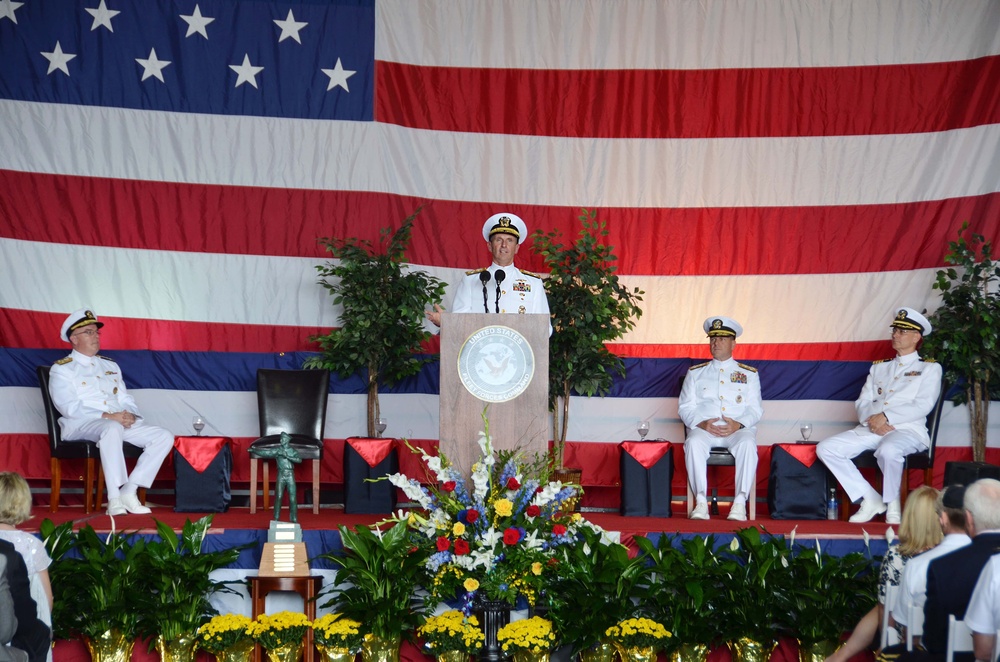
(921, 460)
(65, 449)
(720, 457)
(292, 401)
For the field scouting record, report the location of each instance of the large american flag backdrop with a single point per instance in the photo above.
(799, 165)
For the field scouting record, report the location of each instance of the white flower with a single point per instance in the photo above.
(531, 540)
(890, 535)
(734, 545)
(784, 562)
(412, 489)
(791, 542)
(818, 550)
(867, 539)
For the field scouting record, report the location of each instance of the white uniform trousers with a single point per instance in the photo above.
(109, 435)
(890, 451)
(742, 444)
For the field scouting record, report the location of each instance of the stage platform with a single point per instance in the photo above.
(320, 532)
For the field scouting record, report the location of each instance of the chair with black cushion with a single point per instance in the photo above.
(292, 401)
(66, 450)
(920, 460)
(720, 457)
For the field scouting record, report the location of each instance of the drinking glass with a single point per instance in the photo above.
(806, 430)
(380, 426)
(642, 427)
(199, 424)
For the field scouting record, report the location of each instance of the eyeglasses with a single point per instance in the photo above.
(88, 332)
(902, 332)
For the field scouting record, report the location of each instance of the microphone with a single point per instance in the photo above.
(499, 276)
(484, 277)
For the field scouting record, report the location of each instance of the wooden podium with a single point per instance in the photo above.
(499, 363)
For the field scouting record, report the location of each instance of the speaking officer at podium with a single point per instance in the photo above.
(501, 287)
(892, 410)
(720, 406)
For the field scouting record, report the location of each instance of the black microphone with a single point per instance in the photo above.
(484, 277)
(499, 276)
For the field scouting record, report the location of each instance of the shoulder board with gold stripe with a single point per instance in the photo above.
(880, 361)
(475, 271)
(64, 361)
(106, 358)
(927, 361)
(747, 367)
(700, 365)
(531, 273)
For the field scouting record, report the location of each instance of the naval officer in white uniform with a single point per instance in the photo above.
(89, 391)
(892, 411)
(501, 287)
(720, 406)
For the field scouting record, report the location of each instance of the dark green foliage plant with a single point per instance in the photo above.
(590, 307)
(966, 336)
(383, 302)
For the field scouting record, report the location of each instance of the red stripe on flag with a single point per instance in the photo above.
(719, 103)
(682, 242)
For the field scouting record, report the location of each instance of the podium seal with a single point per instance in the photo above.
(496, 364)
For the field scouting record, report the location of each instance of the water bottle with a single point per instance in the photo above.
(831, 505)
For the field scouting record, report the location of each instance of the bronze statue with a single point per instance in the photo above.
(286, 458)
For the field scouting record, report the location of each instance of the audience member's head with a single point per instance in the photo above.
(919, 528)
(951, 509)
(982, 505)
(15, 499)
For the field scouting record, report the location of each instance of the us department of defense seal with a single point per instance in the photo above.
(496, 364)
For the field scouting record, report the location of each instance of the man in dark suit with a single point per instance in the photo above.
(32, 635)
(951, 578)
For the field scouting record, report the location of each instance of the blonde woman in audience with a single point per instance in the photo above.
(919, 530)
(15, 508)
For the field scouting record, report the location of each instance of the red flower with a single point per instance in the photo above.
(533, 511)
(461, 547)
(558, 529)
(511, 536)
(448, 486)
(443, 543)
(512, 483)
(471, 515)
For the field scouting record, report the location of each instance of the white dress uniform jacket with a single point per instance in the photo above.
(905, 389)
(721, 388)
(85, 387)
(520, 292)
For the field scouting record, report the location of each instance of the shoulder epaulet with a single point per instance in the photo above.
(700, 365)
(64, 361)
(106, 358)
(747, 367)
(531, 273)
(475, 271)
(923, 360)
(880, 361)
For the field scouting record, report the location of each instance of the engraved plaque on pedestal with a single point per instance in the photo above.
(284, 552)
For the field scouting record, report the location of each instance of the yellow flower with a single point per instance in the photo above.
(458, 529)
(470, 584)
(503, 507)
(536, 568)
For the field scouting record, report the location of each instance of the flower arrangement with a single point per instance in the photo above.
(275, 630)
(533, 635)
(224, 632)
(333, 631)
(638, 633)
(496, 539)
(452, 631)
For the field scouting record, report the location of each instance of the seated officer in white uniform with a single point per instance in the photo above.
(892, 411)
(89, 391)
(720, 406)
(501, 287)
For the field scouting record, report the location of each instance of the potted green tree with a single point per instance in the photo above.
(966, 337)
(590, 307)
(384, 302)
(378, 573)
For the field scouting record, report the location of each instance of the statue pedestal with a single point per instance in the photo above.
(284, 552)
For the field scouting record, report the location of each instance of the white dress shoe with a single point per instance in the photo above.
(115, 507)
(892, 513)
(700, 511)
(869, 509)
(131, 503)
(738, 512)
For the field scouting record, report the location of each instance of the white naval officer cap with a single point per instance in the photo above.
(505, 223)
(76, 320)
(718, 325)
(908, 318)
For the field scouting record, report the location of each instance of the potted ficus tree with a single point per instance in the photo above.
(966, 337)
(590, 307)
(384, 302)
